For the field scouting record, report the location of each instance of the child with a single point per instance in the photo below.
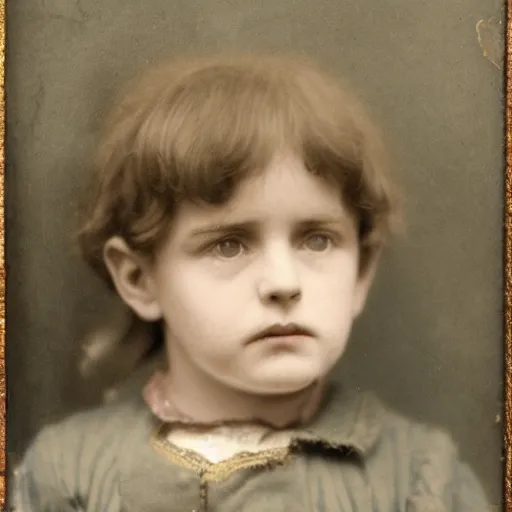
(240, 206)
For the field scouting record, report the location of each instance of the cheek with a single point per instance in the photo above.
(336, 283)
(205, 293)
(195, 305)
(198, 324)
(331, 302)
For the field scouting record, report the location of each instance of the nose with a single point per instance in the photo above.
(279, 281)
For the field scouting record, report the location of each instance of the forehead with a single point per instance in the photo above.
(283, 191)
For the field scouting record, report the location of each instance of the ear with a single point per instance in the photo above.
(131, 276)
(364, 281)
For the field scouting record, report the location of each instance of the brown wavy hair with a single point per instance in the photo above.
(194, 128)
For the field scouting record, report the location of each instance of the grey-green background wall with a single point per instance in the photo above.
(430, 341)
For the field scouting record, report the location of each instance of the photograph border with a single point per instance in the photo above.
(507, 451)
(2, 261)
(508, 264)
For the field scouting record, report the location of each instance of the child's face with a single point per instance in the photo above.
(283, 250)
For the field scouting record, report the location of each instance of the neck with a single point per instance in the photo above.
(191, 396)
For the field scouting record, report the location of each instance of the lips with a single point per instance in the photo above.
(277, 330)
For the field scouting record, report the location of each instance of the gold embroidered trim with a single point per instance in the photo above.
(214, 472)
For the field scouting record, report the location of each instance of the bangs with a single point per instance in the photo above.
(221, 124)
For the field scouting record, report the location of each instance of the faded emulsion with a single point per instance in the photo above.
(255, 325)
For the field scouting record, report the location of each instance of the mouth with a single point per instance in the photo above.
(278, 330)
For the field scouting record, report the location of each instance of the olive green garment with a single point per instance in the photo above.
(355, 456)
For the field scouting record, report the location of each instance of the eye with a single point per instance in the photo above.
(229, 248)
(318, 242)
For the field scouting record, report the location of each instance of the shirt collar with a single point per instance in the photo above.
(347, 420)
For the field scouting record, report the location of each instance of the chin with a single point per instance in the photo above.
(281, 386)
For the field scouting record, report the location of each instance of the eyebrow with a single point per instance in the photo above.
(252, 225)
(221, 228)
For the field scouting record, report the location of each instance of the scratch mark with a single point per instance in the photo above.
(81, 11)
(38, 103)
(76, 13)
(491, 40)
(67, 19)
